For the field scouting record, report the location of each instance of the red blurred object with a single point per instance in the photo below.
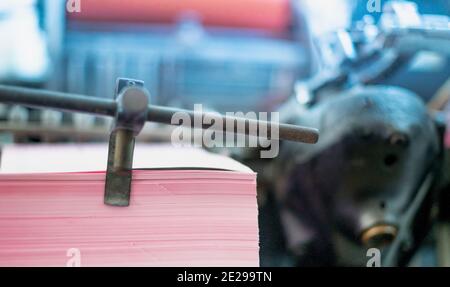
(271, 15)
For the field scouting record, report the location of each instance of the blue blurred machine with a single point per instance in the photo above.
(184, 62)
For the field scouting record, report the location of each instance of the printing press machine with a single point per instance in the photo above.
(378, 91)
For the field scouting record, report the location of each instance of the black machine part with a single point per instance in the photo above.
(369, 179)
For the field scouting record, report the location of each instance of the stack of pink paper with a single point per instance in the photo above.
(188, 208)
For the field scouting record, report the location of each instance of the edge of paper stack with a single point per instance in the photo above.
(188, 207)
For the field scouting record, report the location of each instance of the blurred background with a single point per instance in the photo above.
(229, 55)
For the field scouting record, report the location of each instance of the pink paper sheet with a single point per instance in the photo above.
(175, 218)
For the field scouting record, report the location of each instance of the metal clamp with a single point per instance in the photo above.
(131, 113)
(131, 110)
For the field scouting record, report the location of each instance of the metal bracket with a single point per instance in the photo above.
(131, 110)
(132, 105)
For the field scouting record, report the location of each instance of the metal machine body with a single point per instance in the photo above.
(377, 176)
(368, 181)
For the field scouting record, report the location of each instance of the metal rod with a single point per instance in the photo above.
(105, 107)
(286, 131)
(55, 100)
